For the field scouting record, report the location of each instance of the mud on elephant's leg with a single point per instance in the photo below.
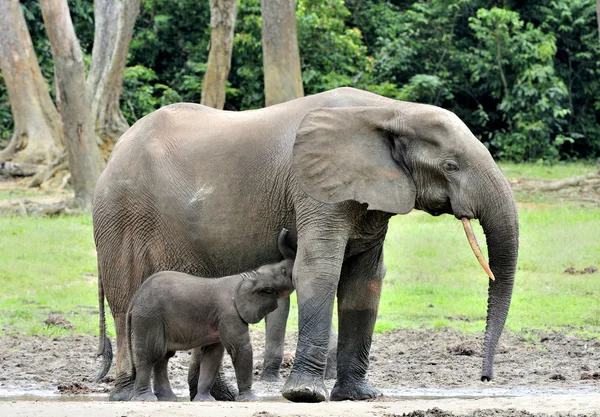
(358, 299)
(316, 275)
(123, 389)
(275, 324)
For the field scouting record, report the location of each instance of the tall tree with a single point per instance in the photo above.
(72, 100)
(222, 22)
(598, 15)
(114, 21)
(281, 59)
(37, 135)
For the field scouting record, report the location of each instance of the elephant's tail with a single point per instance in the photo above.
(104, 345)
(128, 330)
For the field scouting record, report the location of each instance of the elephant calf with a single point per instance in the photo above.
(176, 311)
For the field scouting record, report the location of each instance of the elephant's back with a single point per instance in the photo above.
(193, 189)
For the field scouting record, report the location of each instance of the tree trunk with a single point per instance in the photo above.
(598, 15)
(222, 22)
(114, 21)
(37, 136)
(73, 104)
(281, 59)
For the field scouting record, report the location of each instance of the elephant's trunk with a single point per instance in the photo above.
(499, 220)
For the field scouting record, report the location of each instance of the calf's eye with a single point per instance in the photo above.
(283, 271)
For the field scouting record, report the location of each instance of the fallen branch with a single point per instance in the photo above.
(568, 182)
(25, 207)
(15, 169)
(51, 170)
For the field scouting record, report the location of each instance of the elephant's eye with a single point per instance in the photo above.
(283, 271)
(450, 165)
(268, 290)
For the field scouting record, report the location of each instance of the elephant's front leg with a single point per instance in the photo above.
(358, 299)
(316, 274)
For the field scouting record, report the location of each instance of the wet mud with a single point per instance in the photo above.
(405, 365)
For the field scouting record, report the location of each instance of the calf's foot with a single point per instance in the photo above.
(203, 397)
(246, 396)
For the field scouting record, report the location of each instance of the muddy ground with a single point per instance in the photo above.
(534, 370)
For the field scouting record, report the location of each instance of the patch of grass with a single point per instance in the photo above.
(434, 280)
(48, 266)
(533, 170)
(16, 194)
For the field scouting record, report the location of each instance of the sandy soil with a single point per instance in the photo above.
(536, 372)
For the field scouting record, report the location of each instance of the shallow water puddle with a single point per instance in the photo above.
(406, 394)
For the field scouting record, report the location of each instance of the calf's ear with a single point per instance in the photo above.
(252, 302)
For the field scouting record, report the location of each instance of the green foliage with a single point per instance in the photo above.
(332, 55)
(142, 94)
(513, 61)
(524, 76)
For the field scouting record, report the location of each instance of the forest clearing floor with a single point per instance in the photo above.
(537, 373)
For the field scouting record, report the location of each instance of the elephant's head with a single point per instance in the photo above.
(257, 293)
(402, 156)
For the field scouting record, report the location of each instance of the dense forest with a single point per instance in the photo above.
(524, 76)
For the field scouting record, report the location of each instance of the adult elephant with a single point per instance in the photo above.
(203, 191)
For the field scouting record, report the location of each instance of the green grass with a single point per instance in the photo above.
(532, 170)
(433, 279)
(16, 194)
(46, 267)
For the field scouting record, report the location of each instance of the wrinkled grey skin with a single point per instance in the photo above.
(176, 311)
(200, 190)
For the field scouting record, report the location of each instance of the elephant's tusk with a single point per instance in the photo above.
(475, 247)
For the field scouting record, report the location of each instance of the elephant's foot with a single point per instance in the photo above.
(123, 390)
(361, 390)
(145, 396)
(165, 395)
(305, 389)
(222, 391)
(269, 375)
(204, 397)
(246, 396)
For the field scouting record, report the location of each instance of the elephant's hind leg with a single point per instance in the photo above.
(358, 298)
(162, 386)
(122, 391)
(275, 323)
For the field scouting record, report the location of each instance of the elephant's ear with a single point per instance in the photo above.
(254, 300)
(346, 154)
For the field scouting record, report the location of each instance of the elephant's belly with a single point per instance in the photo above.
(191, 341)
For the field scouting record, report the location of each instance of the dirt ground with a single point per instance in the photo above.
(537, 373)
